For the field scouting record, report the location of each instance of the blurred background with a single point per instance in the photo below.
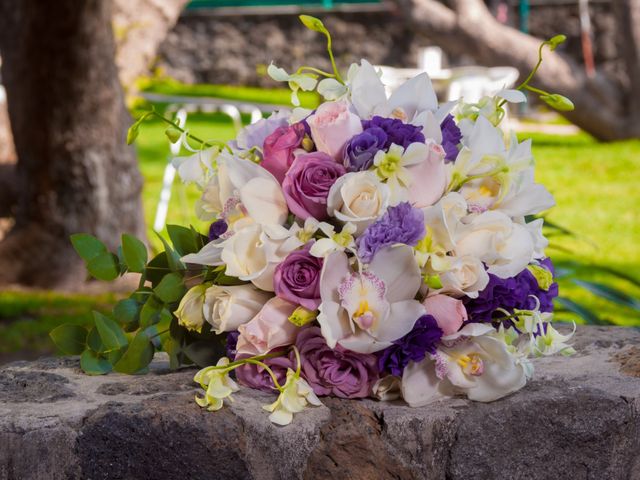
(75, 74)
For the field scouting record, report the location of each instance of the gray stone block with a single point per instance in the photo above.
(578, 419)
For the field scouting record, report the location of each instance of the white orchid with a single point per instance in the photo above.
(365, 311)
(335, 242)
(393, 168)
(294, 396)
(198, 167)
(491, 176)
(217, 384)
(297, 81)
(244, 192)
(474, 361)
(411, 102)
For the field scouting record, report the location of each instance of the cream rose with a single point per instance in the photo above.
(359, 198)
(228, 307)
(466, 275)
(493, 238)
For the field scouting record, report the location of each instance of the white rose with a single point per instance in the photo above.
(190, 311)
(493, 238)
(465, 276)
(359, 198)
(228, 307)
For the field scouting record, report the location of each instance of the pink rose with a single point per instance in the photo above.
(269, 329)
(278, 149)
(449, 312)
(332, 125)
(430, 178)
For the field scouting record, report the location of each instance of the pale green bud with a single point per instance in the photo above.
(301, 316)
(559, 102)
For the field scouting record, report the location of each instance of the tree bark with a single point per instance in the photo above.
(140, 26)
(469, 28)
(74, 171)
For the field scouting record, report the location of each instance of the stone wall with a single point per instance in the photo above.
(234, 49)
(579, 419)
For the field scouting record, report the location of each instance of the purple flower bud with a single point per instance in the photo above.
(398, 132)
(413, 347)
(216, 229)
(451, 137)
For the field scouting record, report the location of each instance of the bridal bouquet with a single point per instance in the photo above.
(377, 246)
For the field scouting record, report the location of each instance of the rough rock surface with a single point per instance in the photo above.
(578, 419)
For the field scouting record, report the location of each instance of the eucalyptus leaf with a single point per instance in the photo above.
(135, 253)
(111, 334)
(170, 289)
(137, 356)
(173, 258)
(70, 339)
(87, 246)
(94, 364)
(205, 352)
(105, 266)
(127, 311)
(183, 239)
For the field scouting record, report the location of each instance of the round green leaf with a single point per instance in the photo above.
(87, 246)
(170, 289)
(135, 253)
(137, 356)
(70, 339)
(110, 332)
(93, 364)
(104, 266)
(126, 311)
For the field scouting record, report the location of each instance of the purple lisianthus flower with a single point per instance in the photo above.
(339, 372)
(217, 228)
(413, 347)
(254, 376)
(361, 149)
(232, 343)
(451, 137)
(398, 132)
(509, 294)
(307, 183)
(400, 224)
(297, 278)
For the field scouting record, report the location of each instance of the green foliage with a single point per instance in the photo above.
(137, 356)
(70, 339)
(134, 253)
(111, 334)
(170, 289)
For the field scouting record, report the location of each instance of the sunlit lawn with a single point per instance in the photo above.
(595, 186)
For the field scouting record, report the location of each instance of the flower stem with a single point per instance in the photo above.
(316, 70)
(202, 143)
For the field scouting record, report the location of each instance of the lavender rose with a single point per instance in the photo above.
(279, 147)
(361, 149)
(398, 132)
(254, 376)
(338, 371)
(400, 224)
(297, 278)
(413, 347)
(307, 183)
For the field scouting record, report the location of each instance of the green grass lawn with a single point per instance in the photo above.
(594, 185)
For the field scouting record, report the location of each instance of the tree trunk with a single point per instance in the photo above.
(140, 26)
(469, 28)
(74, 171)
